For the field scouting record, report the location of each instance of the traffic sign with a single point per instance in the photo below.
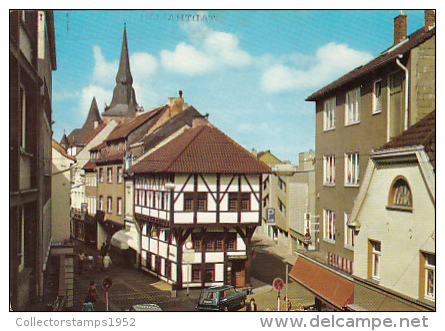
(107, 283)
(278, 284)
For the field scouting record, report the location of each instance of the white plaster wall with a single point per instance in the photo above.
(213, 257)
(402, 234)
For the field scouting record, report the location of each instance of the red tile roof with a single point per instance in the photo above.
(61, 150)
(203, 149)
(98, 147)
(90, 165)
(123, 130)
(413, 41)
(92, 134)
(422, 133)
(111, 157)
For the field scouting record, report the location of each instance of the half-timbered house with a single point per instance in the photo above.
(197, 200)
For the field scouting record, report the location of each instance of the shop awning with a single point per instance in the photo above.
(125, 239)
(330, 287)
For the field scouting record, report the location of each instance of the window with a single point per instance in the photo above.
(109, 175)
(202, 201)
(119, 206)
(375, 252)
(101, 203)
(281, 206)
(119, 175)
(141, 197)
(266, 200)
(266, 182)
(233, 201)
(377, 97)
(231, 242)
(352, 107)
(329, 169)
(188, 201)
(429, 275)
(101, 175)
(22, 108)
(196, 244)
(329, 114)
(329, 224)
(196, 273)
(209, 273)
(109, 205)
(136, 197)
(352, 169)
(210, 244)
(219, 244)
(349, 232)
(400, 196)
(282, 184)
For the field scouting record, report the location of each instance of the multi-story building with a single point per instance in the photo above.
(197, 201)
(289, 201)
(32, 58)
(359, 112)
(394, 216)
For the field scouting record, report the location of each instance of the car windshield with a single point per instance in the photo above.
(209, 296)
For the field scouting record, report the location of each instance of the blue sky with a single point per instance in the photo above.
(250, 70)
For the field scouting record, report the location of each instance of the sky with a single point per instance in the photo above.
(250, 70)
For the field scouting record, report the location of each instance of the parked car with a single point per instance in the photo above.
(145, 307)
(221, 298)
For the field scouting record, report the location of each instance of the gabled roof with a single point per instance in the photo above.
(77, 135)
(123, 130)
(61, 150)
(172, 125)
(89, 166)
(203, 149)
(422, 133)
(92, 134)
(64, 141)
(412, 41)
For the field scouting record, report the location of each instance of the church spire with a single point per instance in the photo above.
(123, 103)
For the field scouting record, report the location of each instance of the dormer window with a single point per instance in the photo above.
(400, 196)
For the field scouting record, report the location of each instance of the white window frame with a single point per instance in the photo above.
(376, 259)
(329, 114)
(349, 232)
(110, 205)
(101, 203)
(120, 174)
(119, 206)
(352, 106)
(430, 267)
(329, 225)
(109, 175)
(329, 170)
(376, 108)
(101, 175)
(352, 169)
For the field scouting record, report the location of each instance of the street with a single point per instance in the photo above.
(132, 286)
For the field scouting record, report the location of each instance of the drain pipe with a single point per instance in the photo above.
(406, 87)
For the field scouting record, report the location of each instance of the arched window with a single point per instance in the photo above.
(400, 196)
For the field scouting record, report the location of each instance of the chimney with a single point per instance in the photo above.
(430, 19)
(399, 28)
(200, 120)
(176, 105)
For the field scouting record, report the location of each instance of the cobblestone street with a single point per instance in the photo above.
(132, 286)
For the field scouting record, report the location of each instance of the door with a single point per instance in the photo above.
(238, 274)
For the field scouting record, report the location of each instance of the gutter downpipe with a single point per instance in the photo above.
(406, 88)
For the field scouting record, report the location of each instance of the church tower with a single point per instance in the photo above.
(124, 104)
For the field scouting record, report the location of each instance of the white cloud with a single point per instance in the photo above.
(186, 59)
(102, 96)
(104, 72)
(208, 51)
(331, 62)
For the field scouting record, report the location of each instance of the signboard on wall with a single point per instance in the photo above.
(270, 215)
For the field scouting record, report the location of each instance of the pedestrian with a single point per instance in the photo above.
(90, 262)
(81, 262)
(283, 305)
(88, 304)
(92, 294)
(100, 264)
(103, 249)
(107, 261)
(252, 305)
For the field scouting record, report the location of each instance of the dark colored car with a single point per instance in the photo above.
(221, 298)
